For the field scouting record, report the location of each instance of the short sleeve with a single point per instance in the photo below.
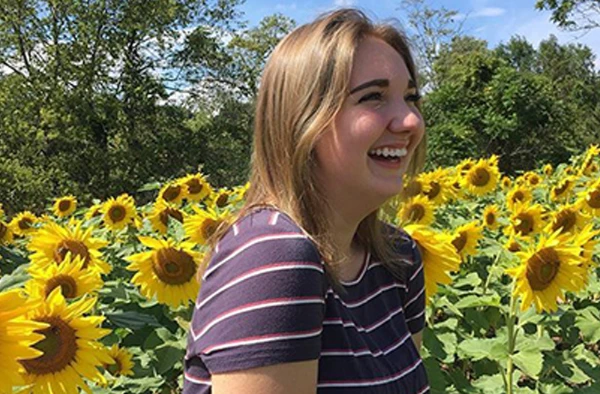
(414, 304)
(261, 300)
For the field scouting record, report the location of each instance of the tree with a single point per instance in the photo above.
(573, 15)
(431, 28)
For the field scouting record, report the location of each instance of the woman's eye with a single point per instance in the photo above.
(371, 96)
(413, 98)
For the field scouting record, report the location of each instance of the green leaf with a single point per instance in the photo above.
(530, 362)
(132, 320)
(168, 356)
(16, 279)
(588, 321)
(472, 301)
(480, 348)
(437, 381)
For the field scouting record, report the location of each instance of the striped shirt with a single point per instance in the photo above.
(265, 299)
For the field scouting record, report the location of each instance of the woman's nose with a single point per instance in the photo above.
(405, 117)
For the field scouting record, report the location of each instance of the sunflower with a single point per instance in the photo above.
(570, 171)
(64, 206)
(121, 364)
(518, 194)
(567, 219)
(532, 178)
(562, 189)
(525, 220)
(196, 186)
(548, 170)
(438, 255)
(1, 212)
(73, 280)
(167, 271)
(201, 226)
(513, 245)
(455, 188)
(70, 347)
(119, 212)
(585, 240)
(437, 190)
(413, 186)
(17, 334)
(481, 178)
(94, 211)
(464, 166)
(172, 193)
(465, 239)
(546, 271)
(417, 210)
(490, 216)
(161, 214)
(220, 199)
(23, 223)
(506, 182)
(239, 192)
(52, 243)
(589, 199)
(6, 234)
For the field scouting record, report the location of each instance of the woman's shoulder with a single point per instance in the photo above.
(265, 234)
(400, 240)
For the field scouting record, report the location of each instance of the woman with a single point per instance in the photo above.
(308, 291)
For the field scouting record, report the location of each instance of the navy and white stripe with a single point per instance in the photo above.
(265, 300)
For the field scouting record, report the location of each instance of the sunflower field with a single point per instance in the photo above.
(99, 298)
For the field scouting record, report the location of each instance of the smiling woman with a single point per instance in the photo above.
(307, 289)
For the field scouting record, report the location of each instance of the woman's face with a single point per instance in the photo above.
(367, 151)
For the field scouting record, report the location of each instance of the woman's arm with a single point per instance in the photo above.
(418, 340)
(288, 378)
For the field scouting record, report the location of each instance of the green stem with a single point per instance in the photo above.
(489, 278)
(510, 326)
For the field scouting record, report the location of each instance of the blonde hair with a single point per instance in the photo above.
(303, 86)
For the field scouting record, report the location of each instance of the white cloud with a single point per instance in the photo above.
(345, 3)
(488, 12)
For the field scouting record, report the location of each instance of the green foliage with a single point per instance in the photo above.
(573, 14)
(528, 106)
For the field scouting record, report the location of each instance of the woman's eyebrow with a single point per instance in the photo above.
(382, 83)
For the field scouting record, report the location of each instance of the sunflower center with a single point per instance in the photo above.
(518, 196)
(67, 285)
(209, 226)
(117, 213)
(480, 177)
(222, 200)
(3, 230)
(25, 224)
(59, 346)
(412, 189)
(116, 368)
(524, 224)
(64, 205)
(490, 218)
(514, 246)
(534, 180)
(434, 191)
(173, 266)
(416, 213)
(174, 213)
(560, 189)
(566, 220)
(542, 268)
(76, 248)
(593, 199)
(172, 192)
(460, 241)
(194, 186)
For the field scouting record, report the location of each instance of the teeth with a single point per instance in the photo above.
(389, 152)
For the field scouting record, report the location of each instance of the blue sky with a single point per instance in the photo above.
(493, 20)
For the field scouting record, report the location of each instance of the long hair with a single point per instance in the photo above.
(303, 87)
